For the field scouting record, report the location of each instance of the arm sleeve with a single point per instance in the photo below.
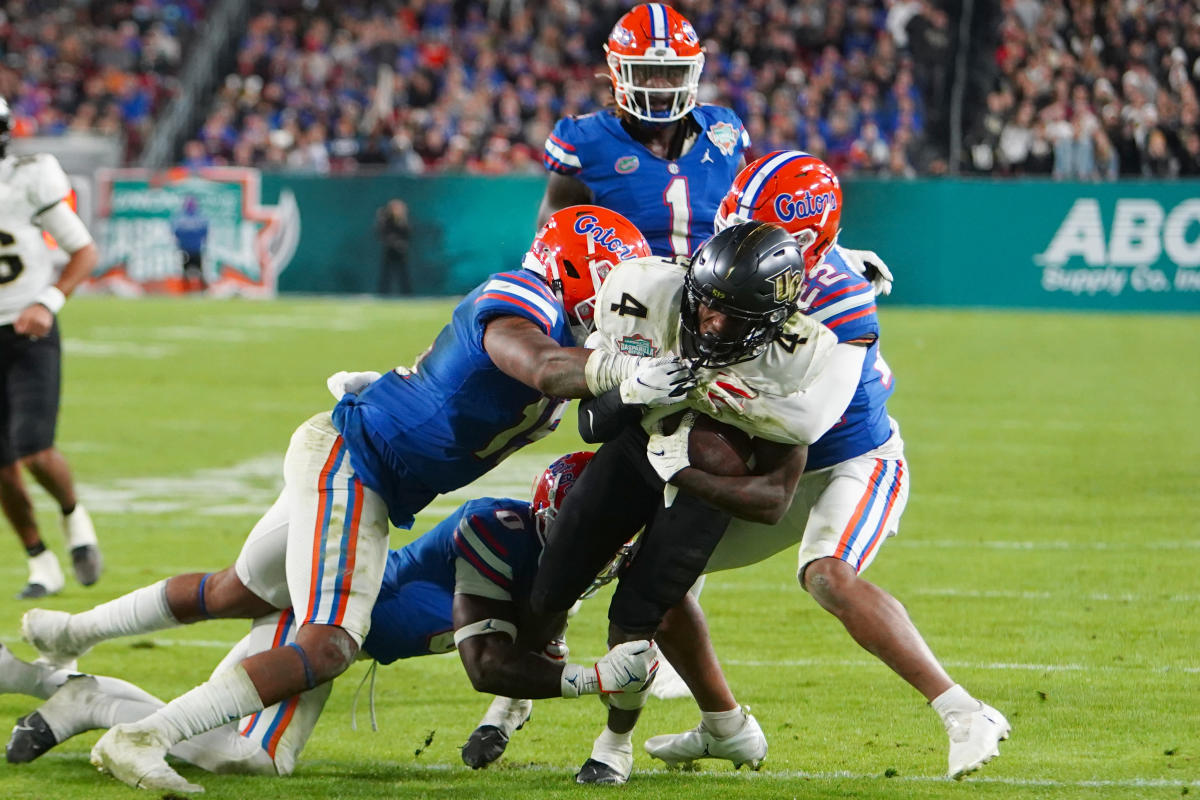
(805, 416)
(469, 580)
(602, 418)
(51, 184)
(65, 226)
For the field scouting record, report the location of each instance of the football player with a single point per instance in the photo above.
(33, 201)
(850, 498)
(463, 585)
(494, 380)
(776, 374)
(659, 158)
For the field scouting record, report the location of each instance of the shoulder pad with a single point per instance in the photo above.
(637, 307)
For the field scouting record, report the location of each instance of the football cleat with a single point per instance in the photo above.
(30, 738)
(87, 563)
(137, 757)
(35, 733)
(975, 738)
(488, 742)
(48, 632)
(746, 747)
(597, 772)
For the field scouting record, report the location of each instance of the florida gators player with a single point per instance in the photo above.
(658, 158)
(463, 584)
(850, 498)
(494, 380)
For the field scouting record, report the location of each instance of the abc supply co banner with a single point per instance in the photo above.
(181, 231)
(1126, 246)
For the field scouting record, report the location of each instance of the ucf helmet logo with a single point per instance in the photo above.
(788, 285)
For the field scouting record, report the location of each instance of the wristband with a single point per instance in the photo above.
(579, 680)
(604, 370)
(52, 298)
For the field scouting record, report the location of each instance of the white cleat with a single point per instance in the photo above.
(975, 738)
(85, 548)
(48, 632)
(137, 757)
(668, 685)
(45, 577)
(746, 747)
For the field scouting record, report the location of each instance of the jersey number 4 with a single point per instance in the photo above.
(11, 266)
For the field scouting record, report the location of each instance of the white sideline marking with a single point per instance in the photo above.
(96, 348)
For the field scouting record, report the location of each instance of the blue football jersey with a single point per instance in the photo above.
(435, 428)
(413, 614)
(844, 301)
(673, 203)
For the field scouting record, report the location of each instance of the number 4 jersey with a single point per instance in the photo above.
(29, 185)
(638, 311)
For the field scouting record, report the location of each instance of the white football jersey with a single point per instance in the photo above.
(29, 185)
(638, 312)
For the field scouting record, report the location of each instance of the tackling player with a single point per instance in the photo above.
(463, 584)
(658, 158)
(493, 381)
(764, 368)
(33, 200)
(849, 501)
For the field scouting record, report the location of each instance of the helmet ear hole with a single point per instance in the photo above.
(570, 269)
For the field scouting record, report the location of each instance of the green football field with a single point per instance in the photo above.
(1049, 555)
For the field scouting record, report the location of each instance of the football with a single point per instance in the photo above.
(715, 447)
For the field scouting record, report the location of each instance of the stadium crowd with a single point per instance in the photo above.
(1093, 91)
(90, 67)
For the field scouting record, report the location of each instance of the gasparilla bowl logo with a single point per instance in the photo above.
(1147, 248)
(638, 345)
(723, 136)
(626, 164)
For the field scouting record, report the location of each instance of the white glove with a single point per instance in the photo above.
(658, 382)
(626, 669)
(668, 454)
(868, 264)
(343, 383)
(726, 388)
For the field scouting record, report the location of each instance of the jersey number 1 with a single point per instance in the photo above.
(676, 198)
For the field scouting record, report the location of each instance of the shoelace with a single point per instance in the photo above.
(370, 673)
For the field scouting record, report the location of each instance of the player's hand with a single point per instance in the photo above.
(658, 382)
(668, 453)
(35, 322)
(726, 389)
(344, 383)
(628, 668)
(868, 264)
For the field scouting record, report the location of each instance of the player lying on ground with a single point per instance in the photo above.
(465, 583)
(850, 499)
(493, 381)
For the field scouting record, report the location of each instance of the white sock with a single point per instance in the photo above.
(78, 527)
(608, 743)
(956, 699)
(141, 611)
(723, 724)
(21, 677)
(115, 702)
(223, 698)
(504, 713)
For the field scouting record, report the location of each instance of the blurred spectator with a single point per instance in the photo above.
(393, 229)
(190, 227)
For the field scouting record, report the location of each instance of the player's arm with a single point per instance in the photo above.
(562, 191)
(522, 350)
(762, 497)
(61, 222)
(486, 635)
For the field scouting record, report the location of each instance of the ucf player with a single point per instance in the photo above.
(33, 191)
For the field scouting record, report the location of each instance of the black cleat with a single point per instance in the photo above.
(31, 738)
(598, 772)
(87, 562)
(485, 745)
(33, 591)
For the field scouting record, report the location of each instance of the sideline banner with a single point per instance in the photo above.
(181, 231)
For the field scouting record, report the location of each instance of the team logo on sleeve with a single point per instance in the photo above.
(638, 345)
(724, 137)
(626, 164)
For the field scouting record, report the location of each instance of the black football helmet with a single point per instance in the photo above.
(5, 127)
(752, 273)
